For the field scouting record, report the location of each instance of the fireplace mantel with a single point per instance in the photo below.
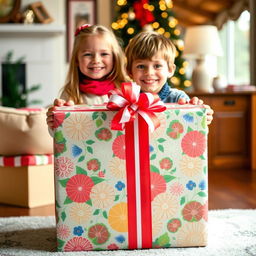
(43, 29)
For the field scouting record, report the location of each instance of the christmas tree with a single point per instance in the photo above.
(134, 16)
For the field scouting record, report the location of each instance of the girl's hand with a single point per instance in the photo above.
(56, 103)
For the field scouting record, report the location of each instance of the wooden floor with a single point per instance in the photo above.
(227, 189)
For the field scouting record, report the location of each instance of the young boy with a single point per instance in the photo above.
(150, 62)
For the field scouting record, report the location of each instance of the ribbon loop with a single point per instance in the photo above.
(128, 101)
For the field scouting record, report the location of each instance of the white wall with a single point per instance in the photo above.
(57, 73)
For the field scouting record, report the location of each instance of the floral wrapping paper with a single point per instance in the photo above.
(91, 186)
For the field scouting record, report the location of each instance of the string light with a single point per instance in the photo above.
(187, 83)
(177, 32)
(130, 31)
(167, 34)
(182, 71)
(164, 15)
(151, 8)
(155, 25)
(161, 30)
(124, 15)
(121, 2)
(175, 80)
(114, 25)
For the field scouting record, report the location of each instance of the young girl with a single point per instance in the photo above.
(96, 67)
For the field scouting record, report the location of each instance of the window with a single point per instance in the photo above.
(234, 65)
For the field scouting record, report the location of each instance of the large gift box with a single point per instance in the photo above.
(130, 188)
(27, 180)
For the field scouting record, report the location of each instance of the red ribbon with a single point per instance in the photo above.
(143, 15)
(128, 101)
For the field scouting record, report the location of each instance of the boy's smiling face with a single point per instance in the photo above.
(151, 74)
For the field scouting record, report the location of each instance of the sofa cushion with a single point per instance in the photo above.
(24, 131)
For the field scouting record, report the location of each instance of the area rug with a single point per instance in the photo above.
(231, 233)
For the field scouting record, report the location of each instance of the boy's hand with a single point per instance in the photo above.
(209, 113)
(197, 101)
(56, 103)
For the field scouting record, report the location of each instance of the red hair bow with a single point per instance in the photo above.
(78, 30)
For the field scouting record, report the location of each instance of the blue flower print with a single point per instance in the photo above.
(188, 117)
(120, 185)
(151, 148)
(120, 239)
(202, 185)
(76, 151)
(190, 185)
(78, 231)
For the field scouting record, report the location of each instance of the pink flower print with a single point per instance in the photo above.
(101, 174)
(103, 134)
(113, 247)
(166, 163)
(63, 167)
(93, 165)
(98, 234)
(176, 189)
(78, 244)
(193, 211)
(63, 231)
(173, 225)
(118, 146)
(175, 129)
(79, 188)
(158, 184)
(193, 144)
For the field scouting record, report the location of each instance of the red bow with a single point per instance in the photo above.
(143, 15)
(78, 30)
(129, 101)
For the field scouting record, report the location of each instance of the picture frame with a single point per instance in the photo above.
(79, 12)
(41, 13)
(9, 10)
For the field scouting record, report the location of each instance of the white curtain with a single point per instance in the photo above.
(253, 41)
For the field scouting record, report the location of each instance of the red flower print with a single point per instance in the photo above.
(173, 225)
(78, 244)
(63, 167)
(59, 147)
(113, 247)
(193, 211)
(93, 165)
(58, 119)
(193, 144)
(101, 174)
(103, 134)
(98, 234)
(166, 163)
(175, 129)
(118, 146)
(205, 211)
(158, 184)
(79, 188)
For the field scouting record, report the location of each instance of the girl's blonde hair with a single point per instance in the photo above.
(147, 44)
(117, 75)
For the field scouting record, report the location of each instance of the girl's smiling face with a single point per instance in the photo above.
(95, 57)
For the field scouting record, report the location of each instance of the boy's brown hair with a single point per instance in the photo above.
(147, 44)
